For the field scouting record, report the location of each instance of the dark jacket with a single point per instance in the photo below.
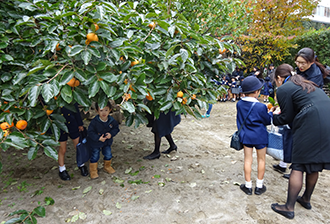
(165, 124)
(309, 114)
(313, 74)
(254, 131)
(97, 128)
(72, 118)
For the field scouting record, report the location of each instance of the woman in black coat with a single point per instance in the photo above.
(163, 126)
(309, 68)
(307, 108)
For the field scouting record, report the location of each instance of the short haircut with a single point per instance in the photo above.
(108, 105)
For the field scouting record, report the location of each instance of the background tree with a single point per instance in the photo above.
(274, 23)
(56, 53)
(218, 17)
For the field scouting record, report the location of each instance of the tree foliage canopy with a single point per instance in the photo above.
(140, 49)
(274, 23)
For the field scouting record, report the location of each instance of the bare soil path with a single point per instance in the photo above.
(197, 184)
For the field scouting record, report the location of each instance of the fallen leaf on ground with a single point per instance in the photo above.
(128, 170)
(82, 215)
(103, 182)
(134, 197)
(87, 189)
(118, 205)
(75, 218)
(106, 212)
(236, 183)
(193, 185)
(75, 188)
(148, 191)
(101, 191)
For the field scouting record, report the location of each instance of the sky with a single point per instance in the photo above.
(325, 2)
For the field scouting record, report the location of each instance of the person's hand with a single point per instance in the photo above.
(273, 109)
(108, 135)
(102, 138)
(81, 128)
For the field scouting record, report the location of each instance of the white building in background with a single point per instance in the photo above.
(322, 12)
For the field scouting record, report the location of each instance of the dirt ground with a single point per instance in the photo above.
(196, 184)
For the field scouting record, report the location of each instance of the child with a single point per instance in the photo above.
(267, 88)
(254, 133)
(100, 133)
(75, 125)
(234, 89)
(225, 84)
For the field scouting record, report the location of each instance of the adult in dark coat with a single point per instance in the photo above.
(307, 108)
(163, 126)
(309, 68)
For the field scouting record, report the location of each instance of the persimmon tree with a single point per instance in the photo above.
(57, 53)
(275, 22)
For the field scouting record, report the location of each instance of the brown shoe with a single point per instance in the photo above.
(107, 166)
(93, 170)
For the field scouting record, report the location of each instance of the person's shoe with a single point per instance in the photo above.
(93, 170)
(264, 101)
(279, 169)
(259, 191)
(286, 176)
(306, 205)
(246, 190)
(64, 175)
(107, 167)
(233, 100)
(152, 156)
(175, 148)
(83, 170)
(286, 214)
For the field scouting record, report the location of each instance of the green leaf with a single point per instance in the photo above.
(33, 95)
(94, 51)
(184, 55)
(93, 89)
(49, 201)
(101, 66)
(51, 152)
(40, 211)
(75, 50)
(66, 77)
(86, 56)
(32, 153)
(106, 212)
(87, 189)
(166, 106)
(145, 107)
(81, 98)
(66, 93)
(14, 220)
(36, 69)
(105, 87)
(61, 125)
(56, 131)
(45, 126)
(128, 106)
(47, 92)
(169, 51)
(109, 77)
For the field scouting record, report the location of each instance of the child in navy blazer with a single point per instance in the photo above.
(254, 133)
(100, 135)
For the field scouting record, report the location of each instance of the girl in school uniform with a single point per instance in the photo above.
(75, 125)
(254, 133)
